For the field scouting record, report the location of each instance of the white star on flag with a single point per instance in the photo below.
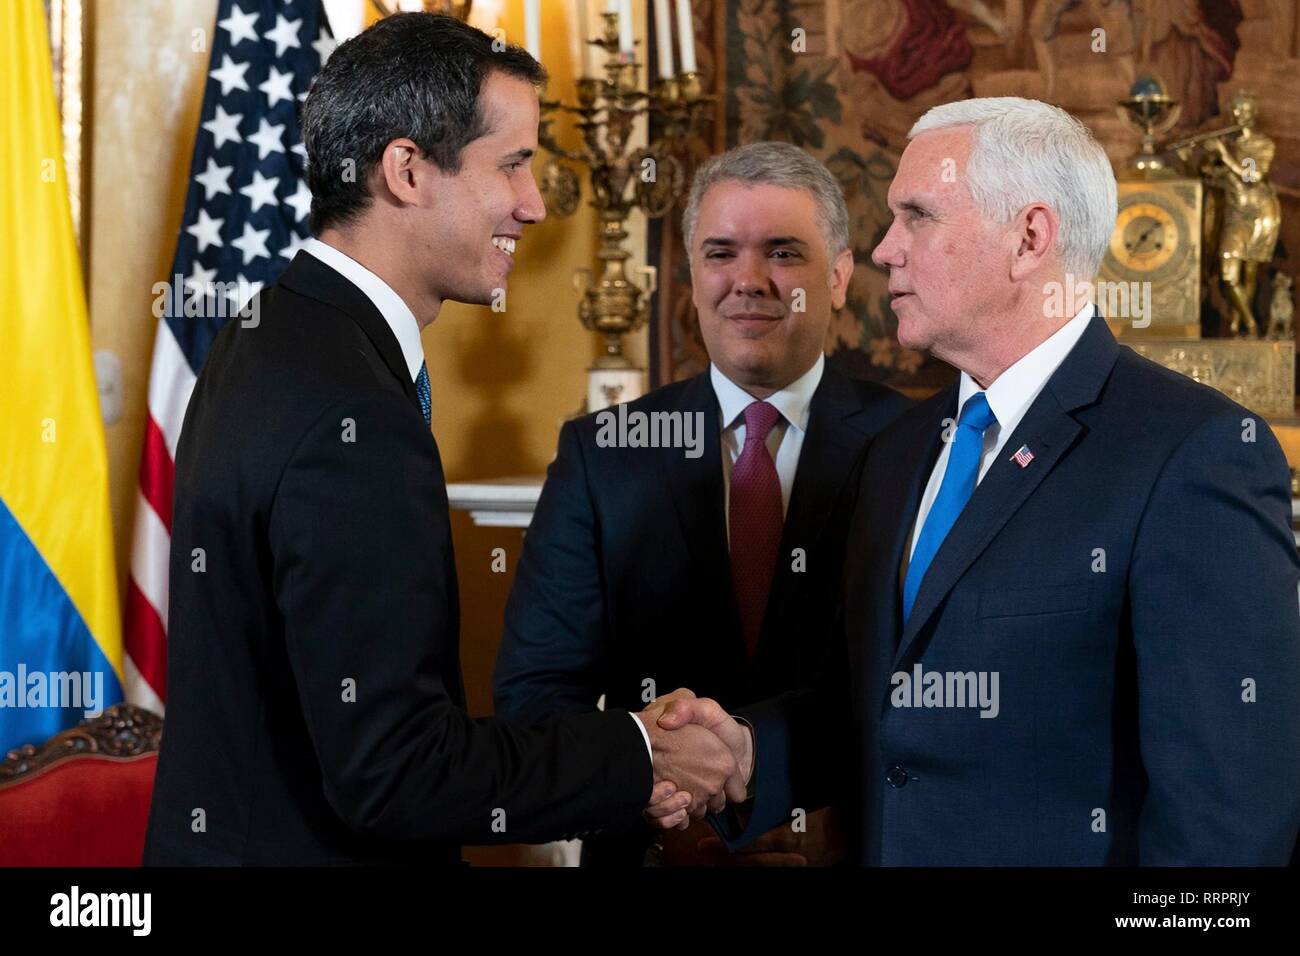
(207, 231)
(225, 127)
(261, 191)
(267, 138)
(252, 243)
(276, 87)
(239, 25)
(300, 201)
(324, 45)
(200, 280)
(285, 34)
(214, 180)
(241, 290)
(231, 75)
(296, 242)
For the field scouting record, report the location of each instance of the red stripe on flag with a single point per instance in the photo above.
(146, 640)
(157, 473)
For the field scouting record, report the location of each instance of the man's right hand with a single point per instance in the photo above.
(695, 771)
(670, 808)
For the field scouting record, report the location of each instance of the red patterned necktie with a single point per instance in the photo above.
(755, 522)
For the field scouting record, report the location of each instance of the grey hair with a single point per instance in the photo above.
(775, 164)
(1025, 151)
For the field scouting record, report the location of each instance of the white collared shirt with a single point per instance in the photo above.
(1009, 397)
(784, 441)
(396, 312)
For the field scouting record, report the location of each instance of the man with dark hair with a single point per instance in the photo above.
(412, 76)
(316, 707)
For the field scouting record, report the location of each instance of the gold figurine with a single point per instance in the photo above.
(1251, 213)
(1170, 222)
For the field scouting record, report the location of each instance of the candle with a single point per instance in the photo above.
(625, 28)
(533, 27)
(686, 35)
(664, 39)
(584, 34)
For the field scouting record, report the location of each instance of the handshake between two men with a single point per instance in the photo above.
(702, 758)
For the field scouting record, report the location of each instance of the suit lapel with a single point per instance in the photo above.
(308, 276)
(831, 446)
(698, 499)
(898, 500)
(1049, 429)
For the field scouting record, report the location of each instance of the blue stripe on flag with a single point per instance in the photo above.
(41, 631)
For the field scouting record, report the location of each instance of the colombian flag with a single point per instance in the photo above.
(60, 637)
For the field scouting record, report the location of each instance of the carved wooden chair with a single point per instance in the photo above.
(82, 797)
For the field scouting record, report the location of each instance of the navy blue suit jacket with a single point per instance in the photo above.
(1135, 589)
(625, 574)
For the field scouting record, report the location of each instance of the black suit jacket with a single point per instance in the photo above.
(1134, 589)
(625, 575)
(314, 699)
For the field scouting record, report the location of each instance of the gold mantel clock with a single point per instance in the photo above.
(1157, 239)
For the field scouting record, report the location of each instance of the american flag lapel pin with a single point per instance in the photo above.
(1023, 457)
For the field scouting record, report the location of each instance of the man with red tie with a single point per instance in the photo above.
(714, 567)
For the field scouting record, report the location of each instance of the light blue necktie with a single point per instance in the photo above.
(422, 390)
(957, 487)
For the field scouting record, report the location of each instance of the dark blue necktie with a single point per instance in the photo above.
(957, 487)
(422, 390)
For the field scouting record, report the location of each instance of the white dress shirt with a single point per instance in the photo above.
(1009, 397)
(396, 312)
(784, 441)
(402, 321)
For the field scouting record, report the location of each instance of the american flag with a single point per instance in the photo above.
(1023, 457)
(245, 218)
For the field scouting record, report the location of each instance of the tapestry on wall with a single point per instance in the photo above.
(845, 79)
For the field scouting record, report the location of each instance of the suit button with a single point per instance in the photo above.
(896, 777)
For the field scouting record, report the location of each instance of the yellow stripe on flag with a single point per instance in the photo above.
(53, 463)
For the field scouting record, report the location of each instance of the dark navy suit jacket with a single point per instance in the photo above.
(625, 574)
(1135, 589)
(328, 562)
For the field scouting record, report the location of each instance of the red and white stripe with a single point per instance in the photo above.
(171, 380)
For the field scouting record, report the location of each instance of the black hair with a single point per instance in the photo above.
(415, 75)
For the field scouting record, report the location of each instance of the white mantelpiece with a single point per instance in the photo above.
(497, 502)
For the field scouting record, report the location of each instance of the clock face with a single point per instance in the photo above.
(1148, 236)
(1155, 252)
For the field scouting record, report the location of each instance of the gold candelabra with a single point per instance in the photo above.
(651, 178)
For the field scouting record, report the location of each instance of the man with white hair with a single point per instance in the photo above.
(1071, 634)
